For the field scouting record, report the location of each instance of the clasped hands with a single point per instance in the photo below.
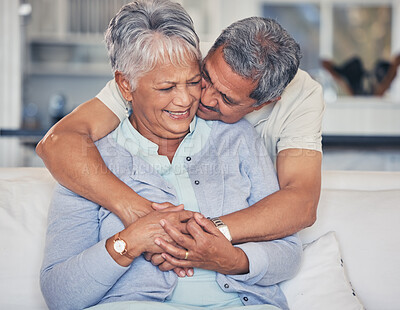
(193, 242)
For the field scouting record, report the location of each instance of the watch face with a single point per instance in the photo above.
(119, 246)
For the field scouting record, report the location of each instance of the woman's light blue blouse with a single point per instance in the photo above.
(202, 289)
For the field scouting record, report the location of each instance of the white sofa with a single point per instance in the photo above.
(362, 208)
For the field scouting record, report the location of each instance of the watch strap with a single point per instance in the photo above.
(125, 251)
(223, 228)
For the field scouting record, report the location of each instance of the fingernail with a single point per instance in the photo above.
(190, 273)
(162, 223)
(182, 274)
(157, 241)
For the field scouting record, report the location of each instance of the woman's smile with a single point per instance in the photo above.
(179, 115)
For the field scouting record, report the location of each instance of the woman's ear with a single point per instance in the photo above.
(124, 85)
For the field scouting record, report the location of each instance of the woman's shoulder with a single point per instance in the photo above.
(242, 128)
(107, 146)
(116, 158)
(239, 138)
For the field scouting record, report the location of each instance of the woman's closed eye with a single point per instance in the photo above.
(166, 89)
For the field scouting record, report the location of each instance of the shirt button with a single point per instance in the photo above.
(188, 158)
(245, 299)
(226, 285)
(197, 182)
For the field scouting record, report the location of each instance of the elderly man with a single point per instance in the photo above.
(252, 72)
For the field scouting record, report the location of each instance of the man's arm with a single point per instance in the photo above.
(288, 210)
(68, 151)
(264, 263)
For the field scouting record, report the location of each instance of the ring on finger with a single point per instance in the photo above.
(186, 255)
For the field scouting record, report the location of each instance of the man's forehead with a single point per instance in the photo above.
(227, 81)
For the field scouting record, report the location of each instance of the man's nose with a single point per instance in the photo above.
(209, 95)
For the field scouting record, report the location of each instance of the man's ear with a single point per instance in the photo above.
(267, 102)
(124, 85)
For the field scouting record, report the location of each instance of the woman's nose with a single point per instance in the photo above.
(183, 97)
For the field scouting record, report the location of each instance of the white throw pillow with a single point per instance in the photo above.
(321, 282)
(24, 200)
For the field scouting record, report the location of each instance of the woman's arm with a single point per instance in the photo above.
(78, 268)
(68, 151)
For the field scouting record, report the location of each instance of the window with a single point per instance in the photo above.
(302, 21)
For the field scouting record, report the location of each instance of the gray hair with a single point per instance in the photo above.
(260, 49)
(146, 32)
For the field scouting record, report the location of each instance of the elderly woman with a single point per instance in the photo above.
(165, 154)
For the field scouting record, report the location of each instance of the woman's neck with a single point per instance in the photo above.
(166, 147)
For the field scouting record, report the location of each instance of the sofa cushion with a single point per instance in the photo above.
(367, 228)
(24, 200)
(321, 282)
(362, 208)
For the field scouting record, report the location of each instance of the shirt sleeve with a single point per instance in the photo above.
(113, 99)
(77, 270)
(271, 262)
(277, 260)
(302, 127)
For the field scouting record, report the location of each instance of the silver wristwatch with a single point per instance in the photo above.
(222, 227)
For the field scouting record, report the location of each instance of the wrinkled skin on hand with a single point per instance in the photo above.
(156, 259)
(207, 247)
(141, 233)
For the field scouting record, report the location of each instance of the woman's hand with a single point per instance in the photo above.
(206, 246)
(157, 260)
(139, 236)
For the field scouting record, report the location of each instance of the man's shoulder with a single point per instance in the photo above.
(304, 79)
(302, 86)
(303, 93)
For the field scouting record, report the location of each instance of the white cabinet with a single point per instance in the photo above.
(65, 37)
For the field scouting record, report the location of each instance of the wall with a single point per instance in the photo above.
(10, 80)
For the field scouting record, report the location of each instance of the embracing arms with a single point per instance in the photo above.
(68, 151)
(288, 210)
(71, 156)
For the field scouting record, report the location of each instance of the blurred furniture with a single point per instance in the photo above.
(361, 208)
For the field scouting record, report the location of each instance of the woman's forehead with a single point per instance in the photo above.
(169, 72)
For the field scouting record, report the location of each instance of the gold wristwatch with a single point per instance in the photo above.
(121, 247)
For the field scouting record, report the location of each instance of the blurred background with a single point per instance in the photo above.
(52, 58)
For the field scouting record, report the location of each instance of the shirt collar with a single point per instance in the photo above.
(260, 115)
(129, 138)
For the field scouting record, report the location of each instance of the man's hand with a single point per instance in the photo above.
(206, 246)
